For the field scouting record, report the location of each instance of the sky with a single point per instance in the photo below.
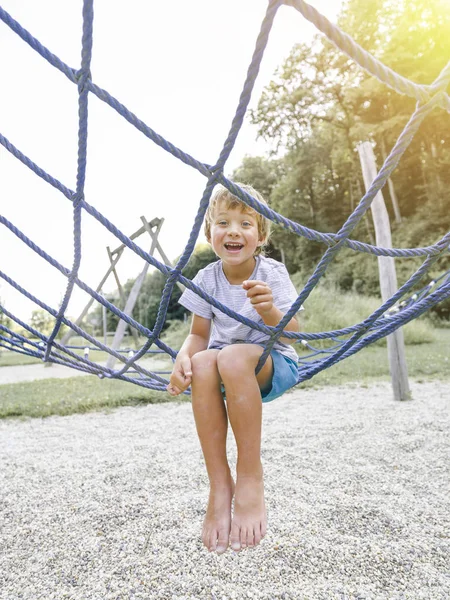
(180, 67)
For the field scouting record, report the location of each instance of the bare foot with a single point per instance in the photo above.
(216, 526)
(249, 519)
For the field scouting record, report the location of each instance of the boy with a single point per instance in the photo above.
(221, 354)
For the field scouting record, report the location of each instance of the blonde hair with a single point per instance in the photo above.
(221, 194)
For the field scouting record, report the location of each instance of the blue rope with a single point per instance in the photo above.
(397, 311)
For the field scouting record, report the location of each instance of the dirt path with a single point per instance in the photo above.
(20, 373)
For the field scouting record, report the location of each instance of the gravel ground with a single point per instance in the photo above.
(110, 505)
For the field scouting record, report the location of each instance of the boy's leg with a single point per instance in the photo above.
(236, 364)
(211, 421)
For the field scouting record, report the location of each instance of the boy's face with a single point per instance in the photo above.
(234, 234)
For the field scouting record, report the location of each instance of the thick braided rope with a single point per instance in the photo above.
(188, 283)
(310, 234)
(82, 76)
(369, 63)
(429, 96)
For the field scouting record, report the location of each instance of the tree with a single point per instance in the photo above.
(4, 320)
(321, 104)
(42, 321)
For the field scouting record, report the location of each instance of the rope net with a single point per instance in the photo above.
(401, 308)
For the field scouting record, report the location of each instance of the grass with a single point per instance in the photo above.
(82, 394)
(11, 359)
(426, 351)
(46, 397)
(424, 361)
(328, 309)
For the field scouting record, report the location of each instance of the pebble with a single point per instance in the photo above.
(110, 505)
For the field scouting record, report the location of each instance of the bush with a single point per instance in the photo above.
(176, 333)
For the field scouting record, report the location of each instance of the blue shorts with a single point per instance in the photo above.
(285, 376)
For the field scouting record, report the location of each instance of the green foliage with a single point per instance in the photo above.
(4, 320)
(42, 321)
(176, 333)
(263, 174)
(316, 110)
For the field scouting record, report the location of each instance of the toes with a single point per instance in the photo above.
(212, 542)
(235, 538)
(258, 535)
(222, 544)
(251, 539)
(244, 534)
(209, 539)
(223, 541)
(205, 539)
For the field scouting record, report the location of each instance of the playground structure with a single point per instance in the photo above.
(401, 307)
(153, 228)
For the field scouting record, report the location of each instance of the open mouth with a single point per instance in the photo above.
(233, 246)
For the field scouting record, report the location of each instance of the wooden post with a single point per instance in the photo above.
(123, 299)
(366, 218)
(134, 293)
(388, 277)
(395, 206)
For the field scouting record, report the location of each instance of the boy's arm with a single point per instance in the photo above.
(196, 341)
(261, 297)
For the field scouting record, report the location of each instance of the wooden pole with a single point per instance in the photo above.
(123, 299)
(395, 206)
(388, 277)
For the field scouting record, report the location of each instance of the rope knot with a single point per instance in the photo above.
(175, 275)
(82, 77)
(77, 198)
(216, 171)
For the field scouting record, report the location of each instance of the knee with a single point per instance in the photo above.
(233, 360)
(204, 364)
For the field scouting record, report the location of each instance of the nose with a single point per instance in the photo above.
(233, 229)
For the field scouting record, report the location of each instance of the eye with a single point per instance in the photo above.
(247, 223)
(222, 222)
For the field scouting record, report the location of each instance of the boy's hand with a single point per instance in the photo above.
(260, 295)
(181, 377)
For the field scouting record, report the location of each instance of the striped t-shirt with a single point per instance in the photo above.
(226, 330)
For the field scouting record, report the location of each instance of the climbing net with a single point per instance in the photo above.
(401, 308)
